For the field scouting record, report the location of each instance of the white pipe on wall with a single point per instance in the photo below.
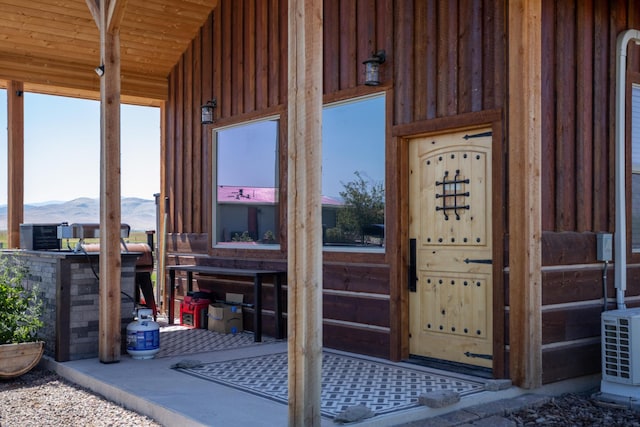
(620, 241)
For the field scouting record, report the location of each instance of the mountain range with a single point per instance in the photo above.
(140, 214)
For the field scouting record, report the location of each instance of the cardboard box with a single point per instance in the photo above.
(226, 318)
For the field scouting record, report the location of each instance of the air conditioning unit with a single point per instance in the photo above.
(621, 353)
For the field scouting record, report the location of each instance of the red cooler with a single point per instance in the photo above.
(194, 311)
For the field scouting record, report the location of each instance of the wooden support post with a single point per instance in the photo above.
(109, 343)
(304, 211)
(15, 159)
(524, 139)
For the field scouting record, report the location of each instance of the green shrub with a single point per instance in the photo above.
(245, 237)
(20, 309)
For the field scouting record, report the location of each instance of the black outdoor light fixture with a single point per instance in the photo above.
(372, 68)
(207, 112)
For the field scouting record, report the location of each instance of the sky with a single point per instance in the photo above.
(62, 149)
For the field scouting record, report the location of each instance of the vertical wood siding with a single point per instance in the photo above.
(578, 75)
(449, 58)
(445, 62)
(239, 58)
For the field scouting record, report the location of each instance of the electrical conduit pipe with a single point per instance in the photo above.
(620, 243)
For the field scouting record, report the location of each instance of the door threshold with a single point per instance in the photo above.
(445, 365)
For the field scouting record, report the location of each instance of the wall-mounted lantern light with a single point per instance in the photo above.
(207, 112)
(99, 70)
(372, 68)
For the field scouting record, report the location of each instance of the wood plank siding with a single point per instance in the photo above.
(445, 69)
(578, 187)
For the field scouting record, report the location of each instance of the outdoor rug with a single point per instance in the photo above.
(179, 340)
(346, 381)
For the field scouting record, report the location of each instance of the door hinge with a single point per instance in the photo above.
(479, 356)
(477, 135)
(478, 261)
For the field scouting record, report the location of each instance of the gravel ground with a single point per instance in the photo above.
(42, 398)
(577, 410)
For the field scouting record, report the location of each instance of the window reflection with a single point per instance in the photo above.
(246, 205)
(353, 170)
(246, 171)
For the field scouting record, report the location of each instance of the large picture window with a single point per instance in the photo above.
(246, 179)
(635, 167)
(245, 200)
(353, 172)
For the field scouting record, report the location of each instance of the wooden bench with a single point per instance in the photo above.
(257, 276)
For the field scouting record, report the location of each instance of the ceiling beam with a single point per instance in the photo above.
(70, 78)
(94, 8)
(115, 15)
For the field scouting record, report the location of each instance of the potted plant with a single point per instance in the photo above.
(20, 311)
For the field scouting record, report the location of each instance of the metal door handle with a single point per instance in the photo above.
(413, 274)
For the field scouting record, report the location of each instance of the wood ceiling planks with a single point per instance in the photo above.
(53, 45)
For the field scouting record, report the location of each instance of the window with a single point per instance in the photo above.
(635, 167)
(353, 171)
(245, 171)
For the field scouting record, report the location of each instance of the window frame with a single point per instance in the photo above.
(633, 80)
(214, 243)
(365, 249)
(280, 114)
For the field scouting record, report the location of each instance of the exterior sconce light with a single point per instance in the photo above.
(207, 112)
(99, 70)
(372, 68)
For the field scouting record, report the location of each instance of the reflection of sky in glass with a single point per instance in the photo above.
(353, 136)
(247, 154)
(353, 141)
(635, 128)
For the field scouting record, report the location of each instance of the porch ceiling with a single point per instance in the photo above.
(53, 46)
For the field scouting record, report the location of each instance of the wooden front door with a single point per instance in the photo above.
(451, 283)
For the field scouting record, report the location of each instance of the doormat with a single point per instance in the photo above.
(181, 340)
(346, 381)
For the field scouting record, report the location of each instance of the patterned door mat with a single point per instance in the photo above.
(346, 381)
(181, 340)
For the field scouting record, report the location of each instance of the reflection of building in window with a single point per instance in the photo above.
(250, 212)
(353, 143)
(247, 210)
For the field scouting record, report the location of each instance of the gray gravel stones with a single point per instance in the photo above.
(42, 398)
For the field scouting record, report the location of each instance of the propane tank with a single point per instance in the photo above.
(143, 335)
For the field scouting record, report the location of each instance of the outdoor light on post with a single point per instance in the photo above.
(207, 112)
(372, 68)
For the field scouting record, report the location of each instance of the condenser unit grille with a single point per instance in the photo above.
(617, 362)
(620, 346)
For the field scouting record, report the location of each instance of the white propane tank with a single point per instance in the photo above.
(143, 335)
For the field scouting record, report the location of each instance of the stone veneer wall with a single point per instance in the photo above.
(68, 285)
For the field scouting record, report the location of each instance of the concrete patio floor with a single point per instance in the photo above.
(172, 398)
